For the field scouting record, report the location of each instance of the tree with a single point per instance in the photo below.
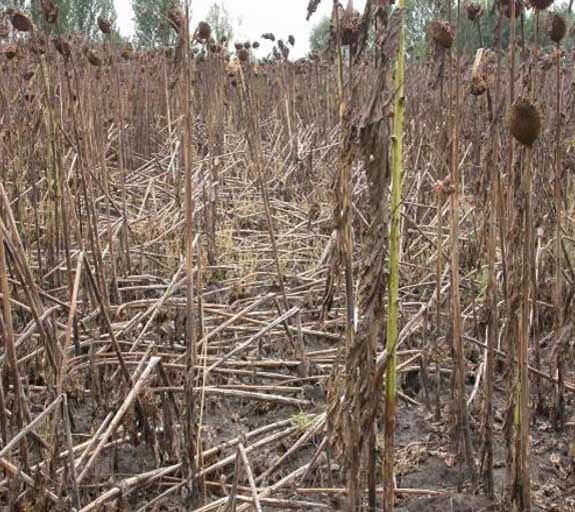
(84, 15)
(220, 20)
(64, 15)
(74, 15)
(320, 34)
(418, 15)
(152, 27)
(469, 32)
(18, 4)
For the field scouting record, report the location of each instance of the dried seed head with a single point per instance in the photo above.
(38, 44)
(28, 74)
(204, 31)
(556, 27)
(176, 18)
(233, 67)
(300, 66)
(238, 46)
(474, 11)
(482, 71)
(223, 40)
(442, 33)
(291, 40)
(10, 51)
(540, 4)
(311, 8)
(546, 62)
(63, 47)
(524, 121)
(349, 25)
(247, 45)
(93, 57)
(22, 22)
(243, 55)
(255, 45)
(50, 11)
(269, 36)
(276, 54)
(105, 25)
(127, 52)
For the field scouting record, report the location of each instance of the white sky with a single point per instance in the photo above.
(251, 18)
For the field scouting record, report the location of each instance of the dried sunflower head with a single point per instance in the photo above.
(442, 33)
(556, 27)
(524, 121)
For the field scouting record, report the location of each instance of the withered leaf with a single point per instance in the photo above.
(388, 40)
(312, 7)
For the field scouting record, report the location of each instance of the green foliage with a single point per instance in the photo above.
(84, 15)
(392, 327)
(78, 16)
(18, 4)
(64, 15)
(220, 20)
(419, 13)
(469, 32)
(152, 27)
(320, 33)
(303, 421)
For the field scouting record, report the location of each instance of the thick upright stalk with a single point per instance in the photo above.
(533, 275)
(122, 163)
(438, 272)
(353, 472)
(511, 265)
(523, 496)
(190, 434)
(7, 338)
(558, 416)
(344, 187)
(487, 449)
(394, 261)
(462, 421)
(114, 292)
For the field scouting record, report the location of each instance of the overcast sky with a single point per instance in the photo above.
(251, 18)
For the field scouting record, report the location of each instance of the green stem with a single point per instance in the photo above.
(394, 261)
